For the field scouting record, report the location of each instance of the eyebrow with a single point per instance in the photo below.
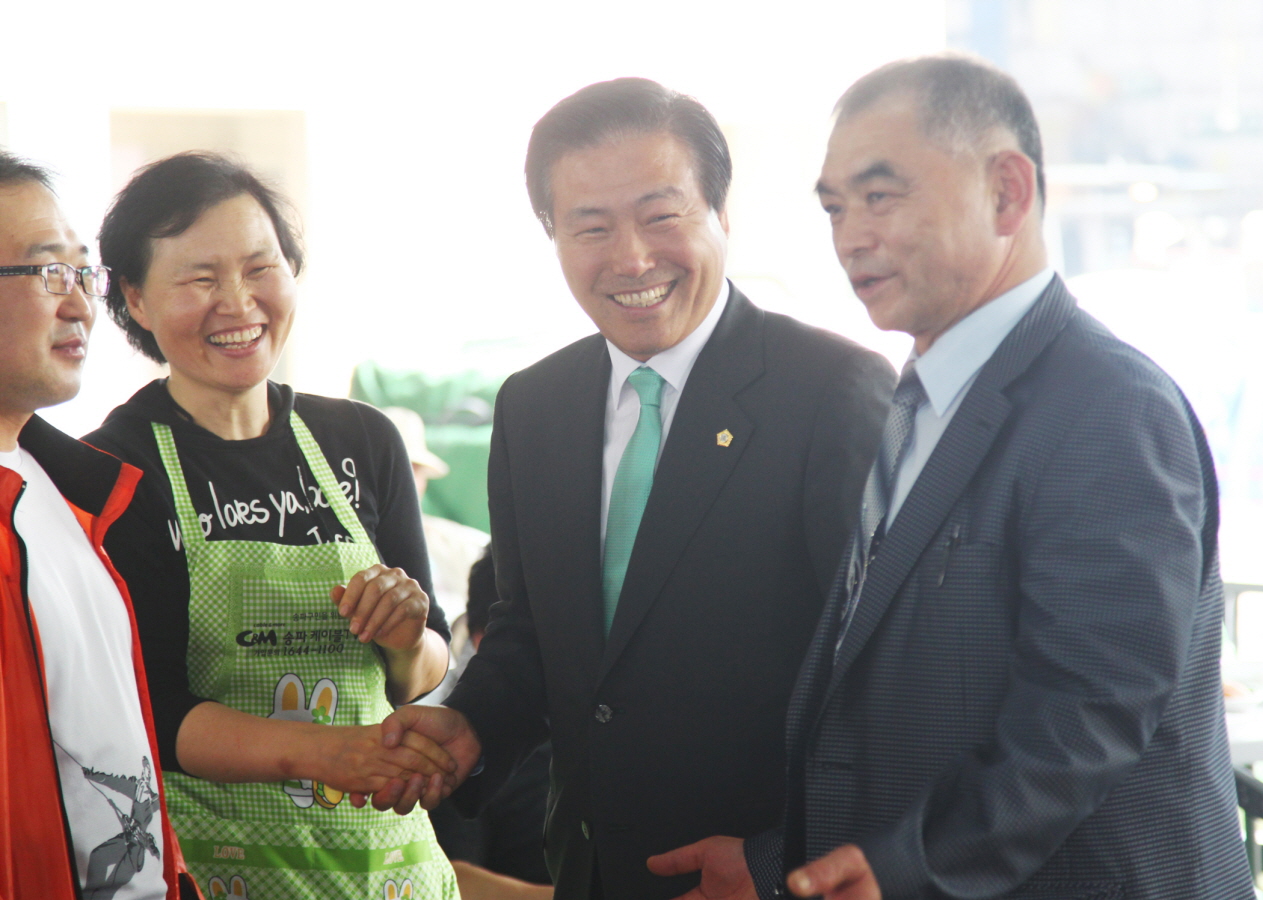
(56, 248)
(670, 192)
(265, 251)
(880, 169)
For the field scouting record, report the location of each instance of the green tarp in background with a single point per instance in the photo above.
(457, 412)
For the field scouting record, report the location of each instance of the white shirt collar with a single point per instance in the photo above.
(674, 363)
(960, 351)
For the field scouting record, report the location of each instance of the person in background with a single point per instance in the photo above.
(82, 813)
(1014, 690)
(507, 835)
(453, 548)
(669, 500)
(274, 552)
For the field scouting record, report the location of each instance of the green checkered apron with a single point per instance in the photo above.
(265, 638)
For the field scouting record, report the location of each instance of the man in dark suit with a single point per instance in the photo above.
(1014, 690)
(653, 622)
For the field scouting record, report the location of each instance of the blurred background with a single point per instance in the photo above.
(399, 131)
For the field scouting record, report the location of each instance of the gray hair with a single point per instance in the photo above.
(960, 98)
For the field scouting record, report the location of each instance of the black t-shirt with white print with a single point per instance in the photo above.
(259, 489)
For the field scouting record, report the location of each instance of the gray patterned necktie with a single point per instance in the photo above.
(909, 395)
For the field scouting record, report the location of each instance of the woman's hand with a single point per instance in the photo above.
(389, 608)
(384, 606)
(219, 743)
(353, 759)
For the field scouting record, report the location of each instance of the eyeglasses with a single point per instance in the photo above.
(60, 278)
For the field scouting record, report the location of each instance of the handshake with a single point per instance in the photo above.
(432, 750)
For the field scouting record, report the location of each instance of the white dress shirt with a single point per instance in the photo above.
(948, 369)
(622, 403)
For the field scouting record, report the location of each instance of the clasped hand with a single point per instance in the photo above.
(444, 732)
(388, 607)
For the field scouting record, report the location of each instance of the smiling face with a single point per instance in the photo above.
(640, 247)
(913, 225)
(43, 336)
(219, 299)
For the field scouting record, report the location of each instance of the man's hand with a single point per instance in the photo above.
(843, 874)
(445, 727)
(354, 758)
(722, 861)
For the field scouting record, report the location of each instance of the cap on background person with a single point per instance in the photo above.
(412, 427)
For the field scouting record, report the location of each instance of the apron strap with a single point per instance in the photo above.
(327, 481)
(190, 525)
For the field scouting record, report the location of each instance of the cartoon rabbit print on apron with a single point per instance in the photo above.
(288, 704)
(234, 889)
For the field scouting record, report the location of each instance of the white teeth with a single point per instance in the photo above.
(233, 338)
(643, 298)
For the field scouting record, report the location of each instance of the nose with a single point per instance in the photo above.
(77, 306)
(632, 254)
(852, 236)
(235, 298)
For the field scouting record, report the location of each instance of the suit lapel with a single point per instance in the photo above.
(817, 667)
(946, 475)
(693, 466)
(950, 469)
(576, 436)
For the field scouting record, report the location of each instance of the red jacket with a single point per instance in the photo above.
(36, 860)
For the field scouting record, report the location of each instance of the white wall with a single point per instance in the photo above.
(418, 116)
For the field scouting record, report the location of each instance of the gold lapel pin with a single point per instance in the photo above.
(724, 438)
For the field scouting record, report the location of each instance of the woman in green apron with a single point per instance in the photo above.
(275, 557)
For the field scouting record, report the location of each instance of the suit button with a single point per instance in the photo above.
(604, 714)
(587, 832)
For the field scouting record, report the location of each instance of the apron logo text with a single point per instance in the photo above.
(250, 638)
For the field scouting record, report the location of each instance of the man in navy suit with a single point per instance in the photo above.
(1014, 689)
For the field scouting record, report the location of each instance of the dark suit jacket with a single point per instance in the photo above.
(672, 729)
(1027, 701)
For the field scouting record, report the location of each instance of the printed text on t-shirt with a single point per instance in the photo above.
(232, 512)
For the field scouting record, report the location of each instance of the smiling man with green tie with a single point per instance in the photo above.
(669, 503)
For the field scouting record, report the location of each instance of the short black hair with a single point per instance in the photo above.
(482, 593)
(625, 106)
(164, 199)
(961, 98)
(16, 170)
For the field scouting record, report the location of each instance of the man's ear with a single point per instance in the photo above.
(1013, 185)
(135, 303)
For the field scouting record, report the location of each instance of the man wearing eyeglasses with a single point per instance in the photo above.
(81, 813)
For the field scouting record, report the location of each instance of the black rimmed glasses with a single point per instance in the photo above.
(60, 278)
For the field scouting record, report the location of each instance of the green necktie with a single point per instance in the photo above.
(631, 487)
